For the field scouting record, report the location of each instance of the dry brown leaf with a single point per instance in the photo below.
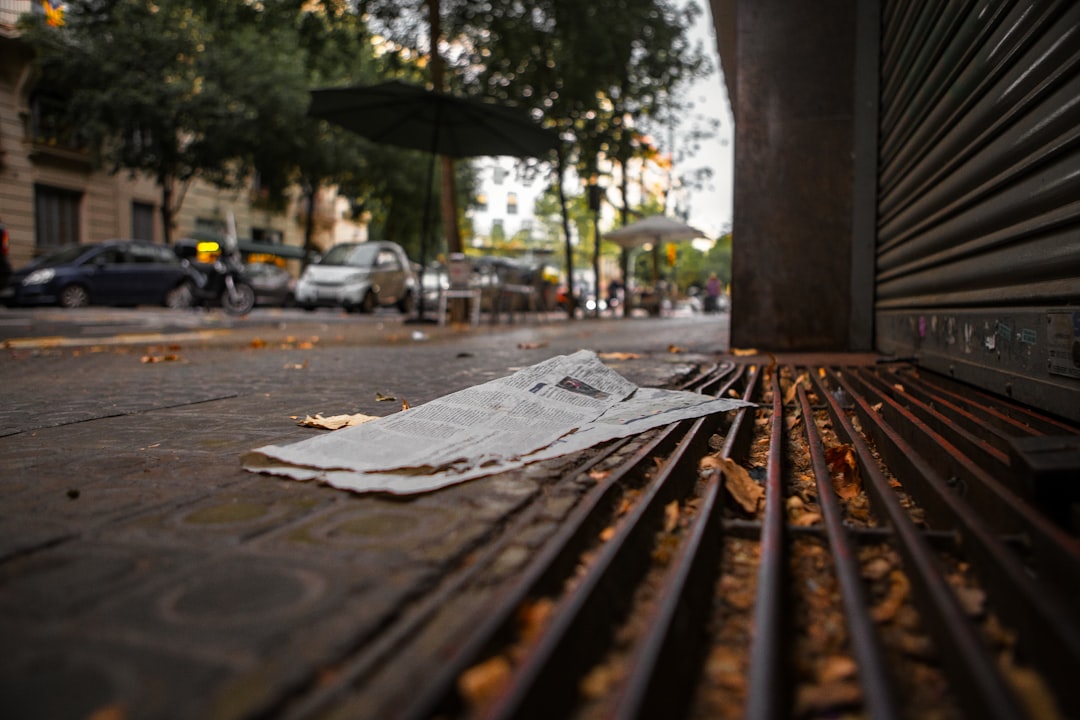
(671, 516)
(789, 395)
(618, 356)
(972, 599)
(305, 346)
(379, 397)
(112, 711)
(806, 519)
(598, 475)
(709, 463)
(845, 470)
(531, 345)
(335, 422)
(404, 404)
(897, 595)
(598, 682)
(743, 352)
(257, 343)
(675, 349)
(481, 683)
(532, 617)
(836, 667)
(607, 533)
(741, 486)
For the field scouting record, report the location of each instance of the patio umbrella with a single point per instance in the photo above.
(655, 229)
(410, 116)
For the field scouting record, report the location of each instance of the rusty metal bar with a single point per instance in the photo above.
(930, 412)
(989, 423)
(1011, 416)
(976, 678)
(1047, 626)
(866, 646)
(665, 667)
(1055, 556)
(544, 685)
(768, 696)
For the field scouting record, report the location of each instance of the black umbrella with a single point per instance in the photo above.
(410, 116)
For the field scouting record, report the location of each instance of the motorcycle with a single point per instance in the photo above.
(221, 283)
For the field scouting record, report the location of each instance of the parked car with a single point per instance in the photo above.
(273, 284)
(360, 276)
(114, 272)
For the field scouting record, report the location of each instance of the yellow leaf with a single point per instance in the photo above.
(481, 683)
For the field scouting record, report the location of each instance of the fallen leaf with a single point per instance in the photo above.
(336, 422)
(257, 343)
(112, 711)
(743, 352)
(789, 395)
(404, 404)
(480, 684)
(836, 667)
(742, 488)
(675, 349)
(305, 346)
(531, 345)
(607, 533)
(618, 356)
(599, 474)
(295, 366)
(598, 682)
(671, 516)
(379, 397)
(845, 470)
(532, 617)
(898, 592)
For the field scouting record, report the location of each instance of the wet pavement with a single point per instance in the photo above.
(144, 574)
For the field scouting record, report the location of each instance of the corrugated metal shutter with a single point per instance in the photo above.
(978, 249)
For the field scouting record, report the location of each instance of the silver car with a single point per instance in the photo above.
(359, 277)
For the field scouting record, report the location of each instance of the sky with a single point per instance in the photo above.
(711, 208)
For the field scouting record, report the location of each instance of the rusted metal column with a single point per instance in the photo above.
(792, 275)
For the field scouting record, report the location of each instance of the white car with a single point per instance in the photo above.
(359, 277)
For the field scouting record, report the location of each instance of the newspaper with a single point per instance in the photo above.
(556, 407)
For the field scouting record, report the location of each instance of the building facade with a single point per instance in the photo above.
(51, 194)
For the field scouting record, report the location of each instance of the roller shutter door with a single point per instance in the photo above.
(978, 229)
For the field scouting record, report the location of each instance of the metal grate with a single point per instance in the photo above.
(912, 555)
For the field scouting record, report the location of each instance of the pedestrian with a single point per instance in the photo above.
(712, 294)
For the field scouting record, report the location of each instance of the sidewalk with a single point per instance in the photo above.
(144, 574)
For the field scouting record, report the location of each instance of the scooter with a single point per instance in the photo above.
(220, 284)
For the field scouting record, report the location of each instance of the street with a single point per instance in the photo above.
(143, 572)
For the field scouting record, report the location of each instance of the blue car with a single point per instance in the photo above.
(115, 272)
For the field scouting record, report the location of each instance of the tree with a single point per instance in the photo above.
(166, 88)
(593, 70)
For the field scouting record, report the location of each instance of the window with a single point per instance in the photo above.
(481, 201)
(267, 235)
(511, 204)
(207, 228)
(142, 221)
(56, 215)
(49, 124)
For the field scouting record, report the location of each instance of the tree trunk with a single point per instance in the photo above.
(311, 189)
(571, 297)
(166, 208)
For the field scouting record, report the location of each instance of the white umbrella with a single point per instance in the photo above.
(656, 229)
